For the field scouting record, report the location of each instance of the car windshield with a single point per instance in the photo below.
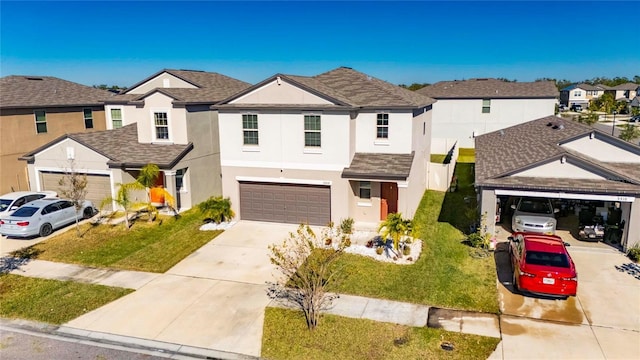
(537, 206)
(547, 259)
(25, 211)
(4, 204)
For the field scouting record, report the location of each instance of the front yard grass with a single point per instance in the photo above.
(152, 247)
(445, 275)
(285, 336)
(51, 301)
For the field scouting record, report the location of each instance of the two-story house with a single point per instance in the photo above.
(582, 94)
(300, 149)
(468, 108)
(164, 119)
(34, 110)
(625, 92)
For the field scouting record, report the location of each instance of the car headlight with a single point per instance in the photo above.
(518, 221)
(549, 223)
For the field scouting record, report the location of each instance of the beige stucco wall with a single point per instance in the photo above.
(177, 120)
(364, 210)
(280, 92)
(160, 82)
(18, 136)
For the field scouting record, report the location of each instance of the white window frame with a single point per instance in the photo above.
(111, 117)
(486, 105)
(577, 93)
(378, 126)
(256, 130)
(318, 131)
(184, 188)
(154, 134)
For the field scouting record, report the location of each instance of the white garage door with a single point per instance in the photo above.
(98, 186)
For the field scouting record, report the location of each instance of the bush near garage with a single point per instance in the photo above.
(634, 253)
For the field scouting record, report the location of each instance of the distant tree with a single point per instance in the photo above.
(507, 80)
(636, 79)
(588, 119)
(110, 88)
(73, 186)
(629, 132)
(560, 84)
(414, 86)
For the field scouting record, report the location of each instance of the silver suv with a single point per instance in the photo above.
(535, 215)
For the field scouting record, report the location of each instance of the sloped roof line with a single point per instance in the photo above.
(169, 71)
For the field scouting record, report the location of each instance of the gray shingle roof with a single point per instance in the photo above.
(505, 152)
(349, 88)
(489, 88)
(122, 148)
(589, 87)
(18, 91)
(211, 87)
(377, 166)
(627, 86)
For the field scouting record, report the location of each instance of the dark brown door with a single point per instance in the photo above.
(285, 203)
(389, 192)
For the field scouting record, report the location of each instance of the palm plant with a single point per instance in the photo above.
(395, 227)
(145, 181)
(123, 199)
(217, 209)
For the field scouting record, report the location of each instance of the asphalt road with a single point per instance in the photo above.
(20, 345)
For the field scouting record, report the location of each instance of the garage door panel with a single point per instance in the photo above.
(98, 186)
(289, 203)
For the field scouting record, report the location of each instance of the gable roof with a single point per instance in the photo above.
(502, 153)
(588, 87)
(627, 86)
(376, 166)
(19, 91)
(347, 88)
(122, 148)
(489, 88)
(210, 88)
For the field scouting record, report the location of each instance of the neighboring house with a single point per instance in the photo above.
(164, 119)
(300, 149)
(559, 159)
(34, 110)
(625, 92)
(466, 109)
(582, 94)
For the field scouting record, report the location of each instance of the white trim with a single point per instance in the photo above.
(154, 135)
(317, 150)
(365, 204)
(560, 195)
(110, 118)
(381, 142)
(402, 184)
(279, 165)
(283, 180)
(250, 148)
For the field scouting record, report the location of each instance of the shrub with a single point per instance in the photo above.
(379, 250)
(406, 250)
(634, 252)
(217, 209)
(346, 225)
(478, 240)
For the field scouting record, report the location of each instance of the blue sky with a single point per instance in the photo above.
(120, 43)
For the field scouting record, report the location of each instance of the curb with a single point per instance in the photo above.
(151, 347)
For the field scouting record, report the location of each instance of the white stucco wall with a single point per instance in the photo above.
(281, 142)
(602, 150)
(280, 92)
(462, 118)
(400, 130)
(557, 169)
(158, 102)
(160, 81)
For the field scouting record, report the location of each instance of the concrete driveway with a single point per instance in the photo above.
(213, 299)
(601, 322)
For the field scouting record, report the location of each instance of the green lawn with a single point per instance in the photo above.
(467, 155)
(153, 247)
(285, 336)
(446, 274)
(51, 301)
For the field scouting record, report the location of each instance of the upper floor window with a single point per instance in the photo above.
(162, 125)
(312, 136)
(116, 118)
(250, 129)
(365, 190)
(41, 121)
(382, 131)
(486, 106)
(577, 93)
(88, 119)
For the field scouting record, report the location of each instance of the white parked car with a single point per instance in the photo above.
(535, 215)
(12, 201)
(42, 216)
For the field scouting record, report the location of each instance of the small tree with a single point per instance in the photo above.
(395, 227)
(589, 119)
(145, 181)
(73, 186)
(308, 269)
(217, 209)
(629, 132)
(123, 199)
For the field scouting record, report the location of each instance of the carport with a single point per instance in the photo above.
(561, 160)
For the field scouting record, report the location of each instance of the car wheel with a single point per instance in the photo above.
(88, 213)
(46, 230)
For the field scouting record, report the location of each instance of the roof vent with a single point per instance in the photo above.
(35, 78)
(501, 132)
(549, 123)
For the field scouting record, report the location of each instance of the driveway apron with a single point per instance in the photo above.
(213, 299)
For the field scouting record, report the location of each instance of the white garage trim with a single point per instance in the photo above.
(560, 195)
(283, 180)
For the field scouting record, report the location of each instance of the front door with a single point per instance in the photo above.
(389, 193)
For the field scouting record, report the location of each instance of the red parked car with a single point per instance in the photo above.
(542, 265)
